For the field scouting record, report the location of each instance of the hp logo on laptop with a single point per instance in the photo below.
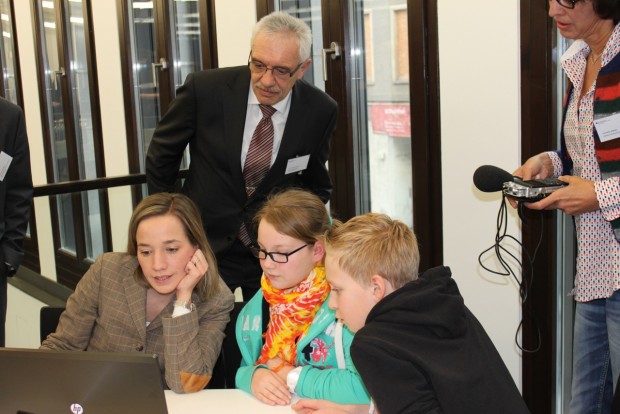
(77, 409)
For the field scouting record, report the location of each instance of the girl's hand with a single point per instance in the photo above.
(195, 270)
(269, 388)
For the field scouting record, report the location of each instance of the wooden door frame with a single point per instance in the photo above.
(538, 134)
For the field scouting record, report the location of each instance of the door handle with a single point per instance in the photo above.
(163, 64)
(334, 51)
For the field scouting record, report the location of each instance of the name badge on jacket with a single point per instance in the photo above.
(5, 161)
(297, 164)
(608, 127)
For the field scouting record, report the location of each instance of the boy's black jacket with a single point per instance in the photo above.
(423, 351)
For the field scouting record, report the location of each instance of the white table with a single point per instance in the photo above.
(230, 401)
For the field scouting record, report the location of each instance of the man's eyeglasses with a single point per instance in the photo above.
(259, 68)
(277, 257)
(569, 4)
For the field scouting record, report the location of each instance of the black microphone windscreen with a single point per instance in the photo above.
(488, 178)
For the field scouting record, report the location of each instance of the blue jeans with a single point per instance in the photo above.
(596, 355)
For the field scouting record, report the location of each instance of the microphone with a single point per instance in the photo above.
(489, 179)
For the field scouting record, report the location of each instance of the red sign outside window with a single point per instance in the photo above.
(390, 119)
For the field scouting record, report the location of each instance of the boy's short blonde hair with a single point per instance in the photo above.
(374, 244)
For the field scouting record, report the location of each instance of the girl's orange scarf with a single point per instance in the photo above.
(291, 314)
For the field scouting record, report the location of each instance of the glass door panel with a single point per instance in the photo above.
(186, 44)
(83, 121)
(388, 126)
(567, 255)
(82, 116)
(7, 53)
(72, 131)
(186, 50)
(379, 98)
(55, 114)
(144, 73)
(152, 71)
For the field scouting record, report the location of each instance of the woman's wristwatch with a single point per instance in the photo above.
(184, 304)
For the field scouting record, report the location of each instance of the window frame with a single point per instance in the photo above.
(162, 17)
(70, 268)
(18, 79)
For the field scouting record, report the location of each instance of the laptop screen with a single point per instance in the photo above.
(76, 382)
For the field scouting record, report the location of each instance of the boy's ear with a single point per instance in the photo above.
(380, 286)
(318, 253)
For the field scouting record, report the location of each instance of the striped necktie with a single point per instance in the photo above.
(258, 160)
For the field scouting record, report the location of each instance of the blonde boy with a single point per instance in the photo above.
(417, 348)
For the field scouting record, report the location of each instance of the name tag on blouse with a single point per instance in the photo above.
(608, 128)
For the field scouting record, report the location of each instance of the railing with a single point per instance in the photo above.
(68, 187)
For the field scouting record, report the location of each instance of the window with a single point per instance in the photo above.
(72, 131)
(400, 43)
(10, 88)
(167, 41)
(378, 162)
(368, 41)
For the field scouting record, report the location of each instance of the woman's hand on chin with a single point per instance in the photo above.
(195, 270)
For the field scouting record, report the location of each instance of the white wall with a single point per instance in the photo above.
(109, 75)
(32, 112)
(480, 121)
(235, 20)
(480, 124)
(22, 320)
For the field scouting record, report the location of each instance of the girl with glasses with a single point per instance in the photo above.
(290, 341)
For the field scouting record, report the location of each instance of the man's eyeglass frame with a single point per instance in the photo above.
(256, 251)
(279, 72)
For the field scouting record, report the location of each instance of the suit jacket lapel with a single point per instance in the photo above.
(136, 301)
(235, 104)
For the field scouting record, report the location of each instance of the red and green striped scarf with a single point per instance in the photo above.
(606, 102)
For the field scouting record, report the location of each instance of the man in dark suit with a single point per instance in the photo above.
(217, 112)
(15, 196)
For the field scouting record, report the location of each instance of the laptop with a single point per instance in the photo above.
(76, 382)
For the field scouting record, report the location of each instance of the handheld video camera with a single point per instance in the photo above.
(532, 190)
